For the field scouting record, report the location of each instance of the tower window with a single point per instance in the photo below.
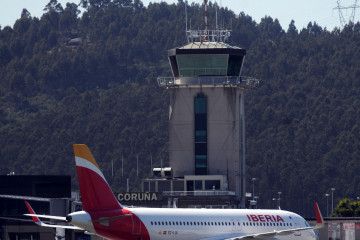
(200, 107)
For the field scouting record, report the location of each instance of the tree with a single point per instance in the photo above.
(347, 208)
(53, 5)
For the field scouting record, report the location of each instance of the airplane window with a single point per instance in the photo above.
(215, 224)
(191, 223)
(166, 223)
(180, 223)
(212, 223)
(177, 223)
(277, 224)
(151, 223)
(159, 223)
(155, 223)
(162, 223)
(169, 223)
(238, 223)
(201, 223)
(222, 223)
(205, 223)
(184, 223)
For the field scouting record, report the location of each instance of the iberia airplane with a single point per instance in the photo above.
(104, 216)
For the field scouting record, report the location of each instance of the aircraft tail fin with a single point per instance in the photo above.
(31, 211)
(319, 218)
(95, 192)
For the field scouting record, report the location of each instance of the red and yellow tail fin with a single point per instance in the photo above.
(96, 194)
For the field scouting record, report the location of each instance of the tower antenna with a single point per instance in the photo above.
(186, 16)
(216, 11)
(205, 2)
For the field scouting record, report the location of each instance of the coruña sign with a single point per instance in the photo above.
(138, 197)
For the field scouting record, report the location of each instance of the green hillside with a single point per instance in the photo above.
(66, 78)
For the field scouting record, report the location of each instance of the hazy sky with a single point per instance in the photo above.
(302, 12)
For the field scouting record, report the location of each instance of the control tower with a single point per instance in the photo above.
(206, 112)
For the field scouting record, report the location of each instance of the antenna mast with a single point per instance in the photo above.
(186, 15)
(216, 10)
(206, 27)
(217, 35)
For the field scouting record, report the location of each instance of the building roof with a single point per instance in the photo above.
(207, 48)
(207, 45)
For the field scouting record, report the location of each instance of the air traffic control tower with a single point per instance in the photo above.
(206, 112)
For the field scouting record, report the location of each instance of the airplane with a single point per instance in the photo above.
(104, 216)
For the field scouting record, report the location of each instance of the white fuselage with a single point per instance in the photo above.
(191, 224)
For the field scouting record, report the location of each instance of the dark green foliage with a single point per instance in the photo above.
(92, 79)
(347, 208)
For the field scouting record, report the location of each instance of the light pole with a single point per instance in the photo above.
(279, 199)
(253, 183)
(274, 199)
(256, 199)
(327, 204)
(332, 199)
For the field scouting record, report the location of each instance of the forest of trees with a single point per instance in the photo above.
(302, 121)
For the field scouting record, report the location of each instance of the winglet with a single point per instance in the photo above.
(31, 211)
(319, 218)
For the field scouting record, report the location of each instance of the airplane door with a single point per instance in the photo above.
(136, 225)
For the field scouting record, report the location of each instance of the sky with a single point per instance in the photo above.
(323, 12)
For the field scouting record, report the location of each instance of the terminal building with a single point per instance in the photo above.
(49, 195)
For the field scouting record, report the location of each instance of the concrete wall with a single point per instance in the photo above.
(223, 106)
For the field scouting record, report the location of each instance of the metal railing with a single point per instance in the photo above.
(219, 35)
(247, 82)
(198, 193)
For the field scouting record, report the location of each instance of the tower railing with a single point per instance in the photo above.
(247, 82)
(220, 35)
(198, 193)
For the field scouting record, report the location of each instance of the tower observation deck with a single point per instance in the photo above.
(206, 112)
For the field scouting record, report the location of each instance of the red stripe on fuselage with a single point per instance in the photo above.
(95, 193)
(129, 227)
